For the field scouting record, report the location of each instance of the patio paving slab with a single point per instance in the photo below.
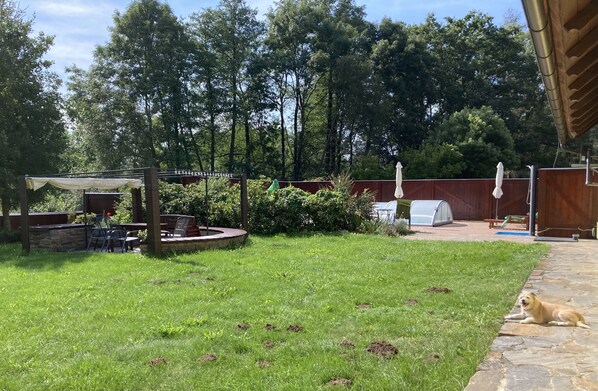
(539, 357)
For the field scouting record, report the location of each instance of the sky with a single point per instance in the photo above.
(78, 26)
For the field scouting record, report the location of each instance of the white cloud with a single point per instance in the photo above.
(72, 9)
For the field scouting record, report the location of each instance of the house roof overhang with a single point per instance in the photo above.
(565, 38)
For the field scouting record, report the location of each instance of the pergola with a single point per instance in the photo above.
(565, 38)
(134, 179)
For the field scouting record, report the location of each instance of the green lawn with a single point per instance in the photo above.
(281, 313)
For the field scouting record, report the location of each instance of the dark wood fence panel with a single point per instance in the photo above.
(40, 219)
(566, 205)
(470, 199)
(100, 203)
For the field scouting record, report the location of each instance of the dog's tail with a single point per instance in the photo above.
(582, 325)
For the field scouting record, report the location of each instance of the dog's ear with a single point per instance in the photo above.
(532, 294)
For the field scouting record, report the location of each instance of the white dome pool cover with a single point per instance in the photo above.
(431, 213)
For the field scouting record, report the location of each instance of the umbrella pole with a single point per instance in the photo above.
(497, 208)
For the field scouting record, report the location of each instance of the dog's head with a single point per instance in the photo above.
(527, 299)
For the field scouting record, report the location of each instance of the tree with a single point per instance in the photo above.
(404, 69)
(481, 64)
(32, 133)
(482, 138)
(232, 34)
(135, 98)
(443, 161)
(290, 38)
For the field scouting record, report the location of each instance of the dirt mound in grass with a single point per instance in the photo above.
(383, 349)
(268, 344)
(264, 363)
(432, 358)
(208, 357)
(438, 289)
(339, 381)
(347, 345)
(156, 361)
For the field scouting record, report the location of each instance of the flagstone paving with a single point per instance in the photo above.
(539, 357)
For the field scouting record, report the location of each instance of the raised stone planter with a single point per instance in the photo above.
(214, 237)
(58, 237)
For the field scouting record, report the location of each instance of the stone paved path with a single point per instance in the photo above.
(536, 357)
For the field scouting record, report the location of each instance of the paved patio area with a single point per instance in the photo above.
(538, 357)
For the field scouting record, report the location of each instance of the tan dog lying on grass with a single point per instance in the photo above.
(533, 310)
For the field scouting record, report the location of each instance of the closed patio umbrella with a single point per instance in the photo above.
(399, 180)
(497, 193)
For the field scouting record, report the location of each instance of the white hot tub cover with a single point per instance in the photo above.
(431, 213)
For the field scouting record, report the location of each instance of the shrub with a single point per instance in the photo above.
(88, 218)
(223, 207)
(398, 228)
(12, 236)
(289, 212)
(284, 210)
(123, 209)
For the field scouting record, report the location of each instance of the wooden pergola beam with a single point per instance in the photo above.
(152, 202)
(24, 199)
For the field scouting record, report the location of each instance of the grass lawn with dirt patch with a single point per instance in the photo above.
(283, 312)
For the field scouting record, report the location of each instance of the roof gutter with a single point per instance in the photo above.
(539, 26)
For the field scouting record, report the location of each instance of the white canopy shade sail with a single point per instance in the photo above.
(35, 183)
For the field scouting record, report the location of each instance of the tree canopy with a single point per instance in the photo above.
(313, 90)
(32, 133)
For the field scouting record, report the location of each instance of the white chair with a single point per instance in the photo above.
(385, 211)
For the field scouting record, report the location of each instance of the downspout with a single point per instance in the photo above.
(539, 26)
(533, 179)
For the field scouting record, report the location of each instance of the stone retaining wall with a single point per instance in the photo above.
(216, 238)
(58, 237)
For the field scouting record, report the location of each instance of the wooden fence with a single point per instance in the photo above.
(469, 199)
(565, 205)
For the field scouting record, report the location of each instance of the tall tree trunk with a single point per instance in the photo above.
(301, 141)
(350, 140)
(248, 146)
(330, 134)
(212, 110)
(189, 128)
(338, 143)
(283, 169)
(296, 166)
(150, 131)
(233, 127)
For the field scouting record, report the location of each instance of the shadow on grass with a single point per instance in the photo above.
(39, 260)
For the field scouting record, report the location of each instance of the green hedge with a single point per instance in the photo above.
(283, 210)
